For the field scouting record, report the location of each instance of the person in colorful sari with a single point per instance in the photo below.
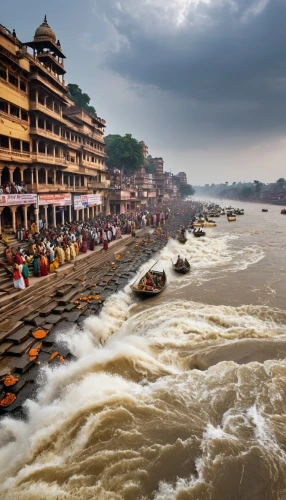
(18, 280)
(44, 265)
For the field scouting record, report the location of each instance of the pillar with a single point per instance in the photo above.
(63, 216)
(13, 210)
(22, 174)
(70, 213)
(36, 212)
(11, 171)
(46, 216)
(107, 206)
(55, 177)
(54, 215)
(77, 215)
(37, 177)
(25, 209)
(92, 212)
(1, 170)
(1, 210)
(82, 214)
(46, 175)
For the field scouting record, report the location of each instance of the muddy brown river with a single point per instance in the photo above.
(185, 399)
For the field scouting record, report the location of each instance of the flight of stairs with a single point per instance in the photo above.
(6, 283)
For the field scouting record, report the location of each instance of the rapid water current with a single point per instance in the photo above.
(181, 397)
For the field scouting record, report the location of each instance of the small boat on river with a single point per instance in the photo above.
(181, 239)
(183, 269)
(151, 284)
(231, 218)
(265, 210)
(198, 234)
(283, 211)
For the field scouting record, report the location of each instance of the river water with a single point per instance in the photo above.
(187, 398)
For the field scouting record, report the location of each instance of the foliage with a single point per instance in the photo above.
(186, 190)
(124, 153)
(281, 181)
(80, 99)
(246, 192)
(149, 167)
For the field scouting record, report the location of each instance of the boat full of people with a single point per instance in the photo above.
(198, 233)
(181, 266)
(152, 283)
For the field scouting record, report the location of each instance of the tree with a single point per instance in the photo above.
(281, 181)
(124, 153)
(246, 192)
(258, 185)
(186, 190)
(80, 99)
(149, 167)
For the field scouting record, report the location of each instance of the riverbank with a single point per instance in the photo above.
(59, 302)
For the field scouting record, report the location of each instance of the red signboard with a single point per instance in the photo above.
(60, 200)
(8, 200)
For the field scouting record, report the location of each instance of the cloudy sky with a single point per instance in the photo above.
(202, 82)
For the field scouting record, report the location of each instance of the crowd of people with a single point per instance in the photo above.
(13, 188)
(46, 249)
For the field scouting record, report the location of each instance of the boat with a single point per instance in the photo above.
(205, 224)
(198, 234)
(265, 210)
(231, 218)
(145, 291)
(181, 239)
(283, 211)
(184, 269)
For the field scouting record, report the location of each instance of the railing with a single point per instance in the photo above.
(99, 185)
(47, 133)
(53, 160)
(18, 154)
(36, 106)
(53, 188)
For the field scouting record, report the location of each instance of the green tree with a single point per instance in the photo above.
(281, 181)
(80, 99)
(246, 192)
(149, 167)
(186, 190)
(124, 153)
(258, 186)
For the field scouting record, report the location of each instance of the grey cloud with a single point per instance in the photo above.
(227, 56)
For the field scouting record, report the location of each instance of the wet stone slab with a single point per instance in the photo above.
(20, 335)
(20, 349)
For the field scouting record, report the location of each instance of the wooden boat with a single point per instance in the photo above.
(283, 211)
(231, 218)
(199, 234)
(147, 291)
(182, 239)
(204, 224)
(183, 269)
(265, 210)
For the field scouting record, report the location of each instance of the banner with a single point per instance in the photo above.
(7, 200)
(80, 202)
(93, 200)
(60, 200)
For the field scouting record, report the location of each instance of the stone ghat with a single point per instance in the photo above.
(58, 306)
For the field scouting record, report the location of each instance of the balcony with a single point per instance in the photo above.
(11, 155)
(122, 195)
(99, 185)
(36, 76)
(47, 134)
(36, 106)
(93, 165)
(54, 188)
(49, 160)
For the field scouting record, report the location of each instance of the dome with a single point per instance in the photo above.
(44, 31)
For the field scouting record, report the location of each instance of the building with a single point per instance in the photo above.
(52, 160)
(183, 177)
(145, 184)
(144, 149)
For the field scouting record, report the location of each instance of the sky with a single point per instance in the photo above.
(202, 82)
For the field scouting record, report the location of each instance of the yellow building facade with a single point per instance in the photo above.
(52, 160)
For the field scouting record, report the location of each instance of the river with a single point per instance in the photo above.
(186, 400)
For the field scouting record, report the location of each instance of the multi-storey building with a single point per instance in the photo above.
(145, 183)
(183, 177)
(51, 152)
(144, 149)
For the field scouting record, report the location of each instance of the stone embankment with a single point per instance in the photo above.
(59, 301)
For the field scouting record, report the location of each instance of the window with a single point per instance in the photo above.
(24, 115)
(13, 80)
(4, 142)
(41, 123)
(23, 86)
(56, 130)
(16, 145)
(14, 111)
(49, 126)
(26, 146)
(3, 106)
(84, 157)
(3, 73)
(92, 159)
